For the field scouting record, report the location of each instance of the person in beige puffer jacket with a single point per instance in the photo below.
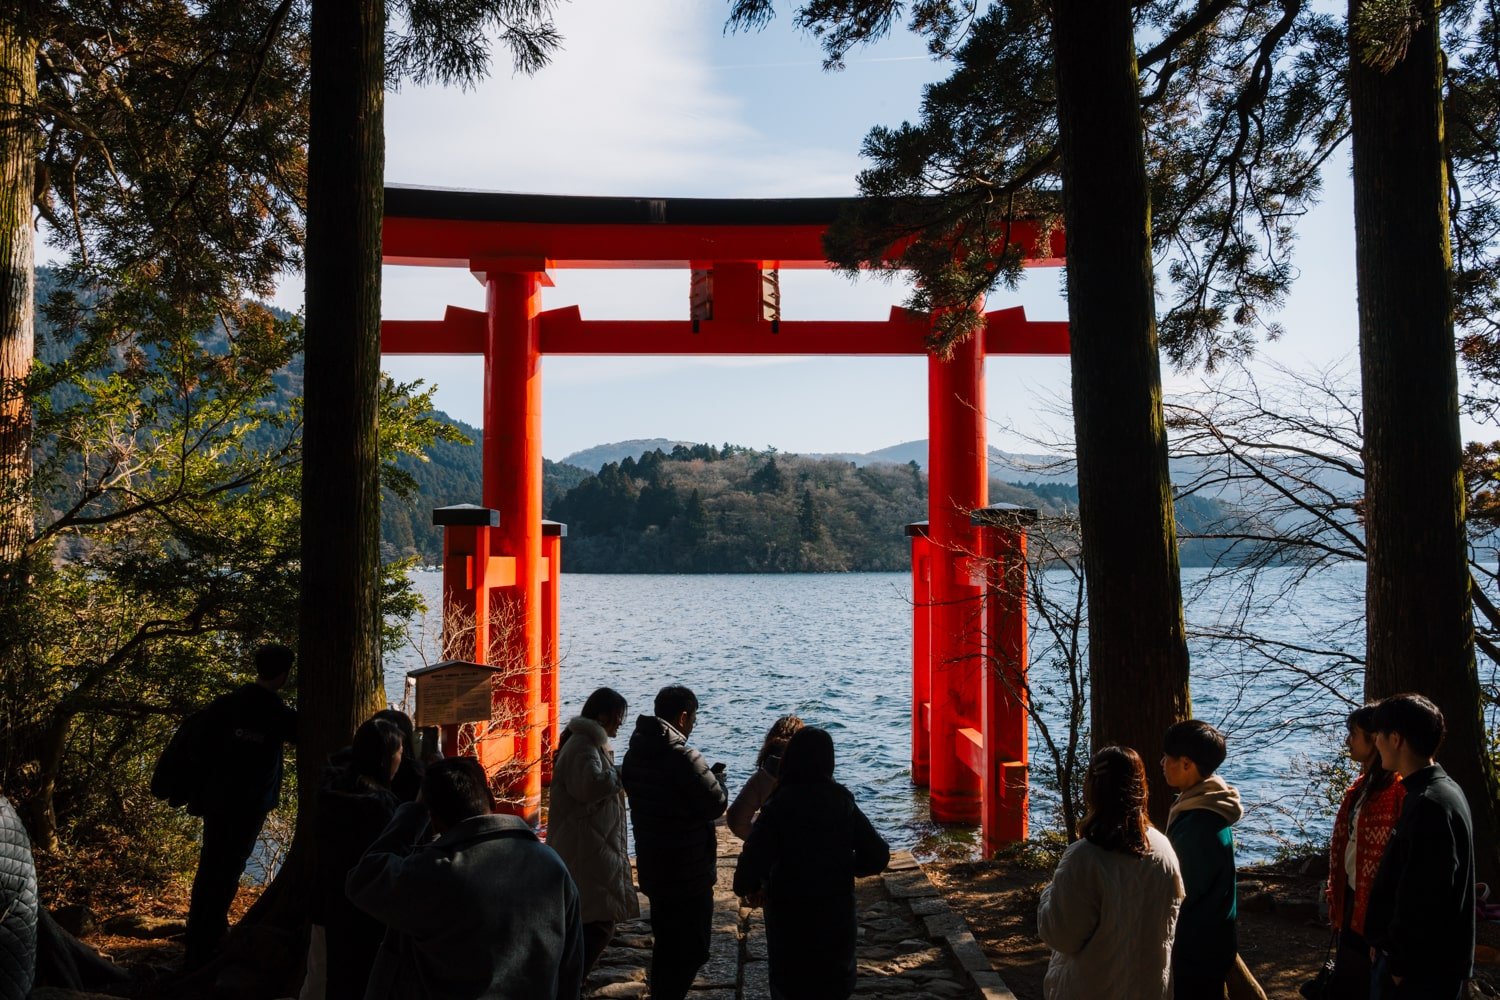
(586, 824)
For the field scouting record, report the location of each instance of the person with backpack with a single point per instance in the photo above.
(240, 736)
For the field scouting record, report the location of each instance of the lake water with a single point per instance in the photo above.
(836, 650)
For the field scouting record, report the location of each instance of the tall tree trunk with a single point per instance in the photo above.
(1137, 647)
(339, 663)
(1420, 630)
(19, 139)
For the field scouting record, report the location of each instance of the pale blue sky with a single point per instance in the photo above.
(651, 99)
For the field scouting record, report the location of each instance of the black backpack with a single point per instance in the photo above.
(181, 774)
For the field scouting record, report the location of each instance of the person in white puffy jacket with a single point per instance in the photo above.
(586, 824)
(1111, 909)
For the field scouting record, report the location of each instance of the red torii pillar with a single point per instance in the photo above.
(513, 484)
(1004, 719)
(958, 483)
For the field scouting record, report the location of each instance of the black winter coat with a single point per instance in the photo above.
(674, 800)
(808, 845)
(250, 724)
(18, 907)
(352, 812)
(1421, 911)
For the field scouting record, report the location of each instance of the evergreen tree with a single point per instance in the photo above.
(768, 478)
(808, 523)
(443, 43)
(1420, 634)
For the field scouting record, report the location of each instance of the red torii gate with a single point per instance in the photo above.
(969, 728)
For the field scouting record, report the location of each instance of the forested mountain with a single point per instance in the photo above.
(733, 510)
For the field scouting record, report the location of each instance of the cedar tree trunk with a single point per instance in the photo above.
(19, 139)
(339, 662)
(1137, 647)
(1419, 617)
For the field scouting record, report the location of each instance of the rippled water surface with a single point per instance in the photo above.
(836, 650)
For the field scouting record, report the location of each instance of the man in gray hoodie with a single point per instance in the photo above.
(1205, 945)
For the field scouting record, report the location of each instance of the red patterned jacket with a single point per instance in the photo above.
(1377, 819)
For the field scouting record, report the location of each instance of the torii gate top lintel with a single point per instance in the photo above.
(739, 243)
(443, 227)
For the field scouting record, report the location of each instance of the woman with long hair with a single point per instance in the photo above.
(746, 805)
(354, 805)
(807, 848)
(586, 824)
(1361, 829)
(1111, 909)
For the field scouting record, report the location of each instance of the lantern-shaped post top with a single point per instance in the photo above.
(468, 514)
(1011, 516)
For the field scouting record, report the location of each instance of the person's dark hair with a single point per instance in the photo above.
(781, 731)
(602, 704)
(673, 700)
(1377, 777)
(1198, 742)
(1416, 719)
(1114, 799)
(375, 745)
(273, 660)
(808, 757)
(455, 789)
(401, 721)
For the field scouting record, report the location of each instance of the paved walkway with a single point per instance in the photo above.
(910, 944)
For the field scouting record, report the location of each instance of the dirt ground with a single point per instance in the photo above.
(1282, 938)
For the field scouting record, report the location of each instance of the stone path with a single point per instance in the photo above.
(910, 944)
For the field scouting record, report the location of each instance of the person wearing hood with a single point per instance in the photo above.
(674, 799)
(1205, 949)
(809, 845)
(586, 822)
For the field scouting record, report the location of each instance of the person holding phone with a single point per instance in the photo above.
(674, 799)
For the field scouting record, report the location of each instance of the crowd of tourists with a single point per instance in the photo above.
(1135, 913)
(423, 890)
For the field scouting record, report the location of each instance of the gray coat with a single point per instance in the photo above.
(485, 911)
(586, 825)
(1108, 918)
(18, 906)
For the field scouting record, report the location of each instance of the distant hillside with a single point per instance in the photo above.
(597, 457)
(733, 510)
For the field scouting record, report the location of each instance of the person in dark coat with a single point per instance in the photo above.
(674, 799)
(1420, 920)
(809, 844)
(355, 804)
(484, 912)
(248, 727)
(18, 906)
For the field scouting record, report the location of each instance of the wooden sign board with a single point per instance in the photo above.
(452, 693)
